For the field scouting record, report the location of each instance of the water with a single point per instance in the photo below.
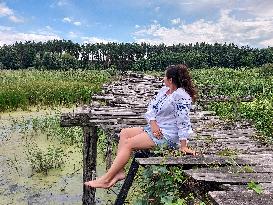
(20, 185)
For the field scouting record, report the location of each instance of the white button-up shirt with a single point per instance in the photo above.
(171, 113)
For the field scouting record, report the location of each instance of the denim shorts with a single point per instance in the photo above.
(159, 142)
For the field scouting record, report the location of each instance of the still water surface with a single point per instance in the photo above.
(20, 185)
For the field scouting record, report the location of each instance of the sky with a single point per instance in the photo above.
(243, 22)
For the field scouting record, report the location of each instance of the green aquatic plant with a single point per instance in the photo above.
(44, 160)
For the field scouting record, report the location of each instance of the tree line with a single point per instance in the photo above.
(65, 54)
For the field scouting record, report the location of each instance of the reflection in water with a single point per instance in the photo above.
(20, 185)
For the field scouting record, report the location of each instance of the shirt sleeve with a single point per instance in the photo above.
(182, 109)
(150, 114)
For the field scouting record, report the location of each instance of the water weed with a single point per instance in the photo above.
(44, 160)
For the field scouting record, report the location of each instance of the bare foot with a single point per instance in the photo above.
(103, 183)
(98, 183)
(119, 176)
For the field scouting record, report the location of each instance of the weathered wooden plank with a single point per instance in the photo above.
(74, 120)
(106, 117)
(258, 158)
(223, 138)
(240, 198)
(238, 169)
(240, 149)
(190, 160)
(266, 187)
(102, 97)
(225, 143)
(117, 121)
(217, 176)
(112, 109)
(112, 113)
(79, 121)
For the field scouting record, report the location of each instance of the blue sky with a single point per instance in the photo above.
(245, 22)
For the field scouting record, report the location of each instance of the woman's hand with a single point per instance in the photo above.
(184, 148)
(156, 129)
(187, 150)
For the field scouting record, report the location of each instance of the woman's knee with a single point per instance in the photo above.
(123, 134)
(127, 144)
(129, 132)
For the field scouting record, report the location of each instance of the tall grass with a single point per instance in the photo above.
(23, 88)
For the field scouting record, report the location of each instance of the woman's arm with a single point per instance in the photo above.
(150, 114)
(182, 109)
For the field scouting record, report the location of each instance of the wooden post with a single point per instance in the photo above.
(90, 138)
(127, 183)
(130, 176)
(109, 150)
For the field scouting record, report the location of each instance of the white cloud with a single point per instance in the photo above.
(48, 27)
(60, 3)
(137, 26)
(16, 19)
(261, 8)
(257, 32)
(9, 36)
(6, 11)
(5, 28)
(77, 23)
(176, 21)
(67, 19)
(71, 20)
(72, 34)
(94, 39)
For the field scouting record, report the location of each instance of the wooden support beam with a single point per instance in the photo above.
(90, 137)
(109, 150)
(127, 183)
(130, 177)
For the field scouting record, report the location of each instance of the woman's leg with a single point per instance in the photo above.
(140, 141)
(125, 134)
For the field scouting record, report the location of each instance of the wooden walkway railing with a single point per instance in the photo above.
(239, 157)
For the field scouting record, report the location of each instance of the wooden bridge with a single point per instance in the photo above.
(240, 159)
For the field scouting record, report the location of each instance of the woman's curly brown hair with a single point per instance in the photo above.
(182, 79)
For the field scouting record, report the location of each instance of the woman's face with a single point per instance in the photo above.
(167, 81)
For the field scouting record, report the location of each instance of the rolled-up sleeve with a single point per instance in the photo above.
(182, 109)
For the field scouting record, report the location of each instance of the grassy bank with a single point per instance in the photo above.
(238, 85)
(24, 88)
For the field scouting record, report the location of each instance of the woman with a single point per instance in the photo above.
(168, 123)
